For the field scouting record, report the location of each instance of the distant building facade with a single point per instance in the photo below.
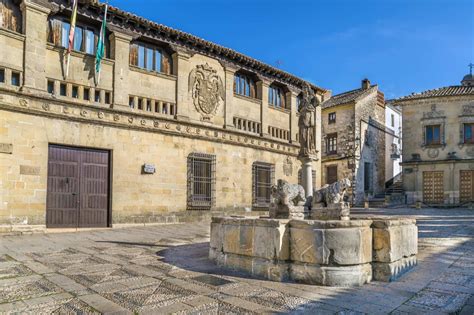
(176, 127)
(393, 141)
(353, 131)
(438, 144)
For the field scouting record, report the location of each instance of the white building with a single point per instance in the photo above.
(393, 141)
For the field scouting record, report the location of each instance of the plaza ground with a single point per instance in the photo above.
(165, 269)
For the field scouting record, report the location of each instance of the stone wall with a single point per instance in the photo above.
(450, 113)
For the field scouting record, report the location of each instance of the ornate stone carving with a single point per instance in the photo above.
(468, 109)
(433, 153)
(100, 115)
(433, 113)
(288, 166)
(329, 202)
(332, 194)
(46, 106)
(288, 201)
(207, 90)
(307, 124)
(23, 102)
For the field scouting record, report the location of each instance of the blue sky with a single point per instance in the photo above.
(404, 46)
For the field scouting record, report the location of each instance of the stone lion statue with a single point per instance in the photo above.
(288, 194)
(332, 194)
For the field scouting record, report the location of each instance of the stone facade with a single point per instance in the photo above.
(360, 150)
(441, 172)
(46, 108)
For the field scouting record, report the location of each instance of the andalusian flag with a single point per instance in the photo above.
(101, 46)
(71, 34)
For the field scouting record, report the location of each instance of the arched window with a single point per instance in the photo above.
(244, 85)
(150, 58)
(276, 96)
(10, 15)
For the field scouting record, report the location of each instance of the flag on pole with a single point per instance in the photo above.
(101, 46)
(71, 34)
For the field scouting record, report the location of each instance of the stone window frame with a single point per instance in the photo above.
(166, 60)
(328, 145)
(258, 203)
(442, 129)
(332, 118)
(207, 184)
(245, 85)
(465, 118)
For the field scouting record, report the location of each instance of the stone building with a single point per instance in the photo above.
(393, 141)
(353, 131)
(438, 144)
(176, 127)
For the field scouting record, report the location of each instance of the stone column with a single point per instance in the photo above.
(120, 44)
(35, 23)
(307, 175)
(182, 70)
(262, 90)
(229, 95)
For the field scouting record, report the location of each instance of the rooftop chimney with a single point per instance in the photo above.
(365, 84)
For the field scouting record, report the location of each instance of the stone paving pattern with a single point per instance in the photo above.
(165, 269)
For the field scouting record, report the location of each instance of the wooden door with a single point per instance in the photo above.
(78, 187)
(433, 187)
(331, 172)
(466, 186)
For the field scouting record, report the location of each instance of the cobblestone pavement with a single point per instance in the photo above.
(164, 269)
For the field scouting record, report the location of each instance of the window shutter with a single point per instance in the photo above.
(165, 63)
(55, 32)
(283, 99)
(10, 15)
(252, 89)
(134, 54)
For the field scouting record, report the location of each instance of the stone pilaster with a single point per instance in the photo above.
(181, 70)
(35, 25)
(262, 90)
(292, 97)
(120, 44)
(229, 96)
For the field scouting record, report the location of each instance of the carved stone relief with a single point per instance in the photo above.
(288, 167)
(433, 153)
(468, 109)
(207, 90)
(433, 113)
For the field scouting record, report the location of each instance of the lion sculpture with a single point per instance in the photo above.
(288, 201)
(332, 194)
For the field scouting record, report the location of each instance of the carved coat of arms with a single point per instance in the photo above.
(207, 90)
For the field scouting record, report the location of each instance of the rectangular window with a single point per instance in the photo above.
(50, 87)
(201, 181)
(392, 120)
(149, 59)
(158, 60)
(140, 104)
(263, 177)
(15, 78)
(65, 34)
(141, 56)
(148, 105)
(332, 118)
(433, 134)
(78, 39)
(331, 143)
(107, 98)
(87, 94)
(10, 15)
(75, 91)
(468, 133)
(2, 75)
(97, 96)
(131, 102)
(89, 42)
(63, 89)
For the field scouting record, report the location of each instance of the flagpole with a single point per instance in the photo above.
(100, 45)
(72, 28)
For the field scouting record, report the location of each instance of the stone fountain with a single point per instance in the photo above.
(309, 236)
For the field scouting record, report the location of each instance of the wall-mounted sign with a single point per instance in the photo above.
(148, 169)
(6, 148)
